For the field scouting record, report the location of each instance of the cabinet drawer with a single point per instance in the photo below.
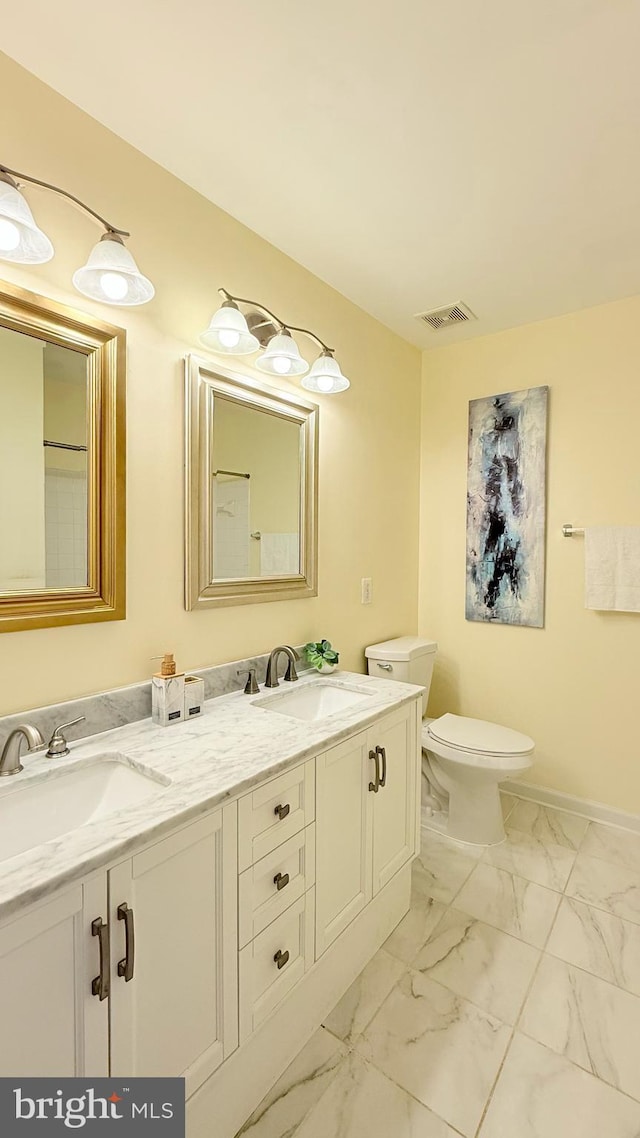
(274, 812)
(262, 983)
(290, 866)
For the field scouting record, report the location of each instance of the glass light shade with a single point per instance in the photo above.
(325, 376)
(229, 333)
(282, 357)
(112, 276)
(20, 239)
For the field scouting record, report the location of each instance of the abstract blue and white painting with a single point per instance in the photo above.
(506, 495)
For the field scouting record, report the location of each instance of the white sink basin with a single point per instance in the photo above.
(313, 701)
(46, 807)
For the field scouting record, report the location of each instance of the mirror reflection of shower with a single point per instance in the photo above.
(43, 464)
(256, 493)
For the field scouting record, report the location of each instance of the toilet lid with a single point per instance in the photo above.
(478, 736)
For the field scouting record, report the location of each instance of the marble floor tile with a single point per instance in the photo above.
(600, 943)
(298, 1089)
(440, 869)
(538, 861)
(362, 1000)
(433, 840)
(480, 963)
(414, 929)
(362, 1103)
(614, 888)
(440, 1048)
(591, 1022)
(622, 847)
(555, 827)
(509, 903)
(542, 1095)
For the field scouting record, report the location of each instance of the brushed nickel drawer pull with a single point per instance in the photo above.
(125, 966)
(281, 958)
(282, 811)
(280, 880)
(100, 985)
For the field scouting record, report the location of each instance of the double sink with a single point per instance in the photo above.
(56, 803)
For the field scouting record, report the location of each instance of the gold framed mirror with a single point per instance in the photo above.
(251, 490)
(62, 464)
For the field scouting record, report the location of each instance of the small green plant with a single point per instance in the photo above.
(320, 652)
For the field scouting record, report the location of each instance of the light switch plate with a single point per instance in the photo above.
(366, 594)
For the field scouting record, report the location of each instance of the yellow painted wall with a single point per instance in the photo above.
(369, 437)
(573, 685)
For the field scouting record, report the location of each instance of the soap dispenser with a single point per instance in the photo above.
(167, 693)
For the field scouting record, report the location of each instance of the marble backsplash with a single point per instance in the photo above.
(115, 708)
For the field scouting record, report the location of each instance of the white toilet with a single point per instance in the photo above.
(463, 760)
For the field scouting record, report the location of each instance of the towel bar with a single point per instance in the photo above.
(572, 531)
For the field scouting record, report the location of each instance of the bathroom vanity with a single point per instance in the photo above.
(237, 874)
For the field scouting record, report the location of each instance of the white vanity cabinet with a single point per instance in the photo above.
(276, 847)
(172, 912)
(139, 962)
(50, 1022)
(216, 951)
(366, 819)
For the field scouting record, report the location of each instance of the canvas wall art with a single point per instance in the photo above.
(506, 495)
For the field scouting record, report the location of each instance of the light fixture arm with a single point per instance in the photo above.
(5, 170)
(280, 324)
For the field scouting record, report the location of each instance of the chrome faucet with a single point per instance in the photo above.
(272, 667)
(10, 758)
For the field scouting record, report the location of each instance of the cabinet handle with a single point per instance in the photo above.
(281, 958)
(100, 985)
(375, 786)
(125, 966)
(282, 811)
(383, 755)
(280, 880)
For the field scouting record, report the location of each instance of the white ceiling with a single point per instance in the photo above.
(412, 154)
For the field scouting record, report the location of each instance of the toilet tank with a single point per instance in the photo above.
(406, 658)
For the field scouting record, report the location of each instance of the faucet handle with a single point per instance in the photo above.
(251, 687)
(57, 743)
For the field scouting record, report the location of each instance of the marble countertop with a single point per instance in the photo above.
(200, 764)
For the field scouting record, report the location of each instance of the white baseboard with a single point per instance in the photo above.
(596, 811)
(221, 1105)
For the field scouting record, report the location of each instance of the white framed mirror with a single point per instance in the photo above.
(251, 490)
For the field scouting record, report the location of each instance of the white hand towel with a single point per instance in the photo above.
(612, 568)
(279, 554)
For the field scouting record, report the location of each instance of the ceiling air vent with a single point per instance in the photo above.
(445, 317)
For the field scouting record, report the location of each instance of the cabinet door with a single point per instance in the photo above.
(177, 1014)
(343, 838)
(394, 812)
(51, 1024)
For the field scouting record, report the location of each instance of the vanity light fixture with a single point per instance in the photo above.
(232, 333)
(325, 375)
(229, 333)
(20, 239)
(110, 274)
(282, 356)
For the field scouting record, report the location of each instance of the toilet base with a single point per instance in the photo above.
(471, 810)
(475, 815)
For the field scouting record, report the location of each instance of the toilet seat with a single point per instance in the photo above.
(476, 743)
